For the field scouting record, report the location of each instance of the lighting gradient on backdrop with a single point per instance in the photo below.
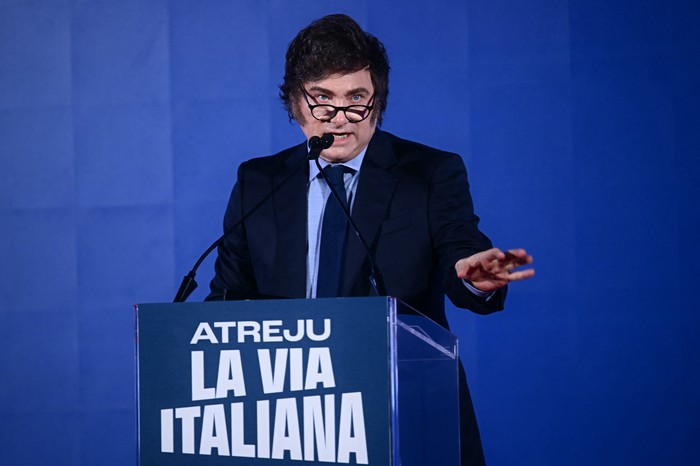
(122, 125)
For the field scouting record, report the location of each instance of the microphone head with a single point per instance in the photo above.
(315, 143)
(318, 144)
(327, 140)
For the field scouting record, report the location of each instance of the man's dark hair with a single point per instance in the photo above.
(334, 44)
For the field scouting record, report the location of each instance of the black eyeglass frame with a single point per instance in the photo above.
(367, 108)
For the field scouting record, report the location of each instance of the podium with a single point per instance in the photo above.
(282, 382)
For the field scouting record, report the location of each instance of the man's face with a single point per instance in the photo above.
(339, 90)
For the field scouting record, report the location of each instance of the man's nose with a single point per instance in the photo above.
(339, 118)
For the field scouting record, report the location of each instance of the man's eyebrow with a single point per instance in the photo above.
(320, 89)
(358, 90)
(354, 91)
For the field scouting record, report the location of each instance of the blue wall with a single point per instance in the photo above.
(122, 124)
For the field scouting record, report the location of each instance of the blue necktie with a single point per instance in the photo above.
(333, 235)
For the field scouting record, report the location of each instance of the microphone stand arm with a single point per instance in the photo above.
(189, 284)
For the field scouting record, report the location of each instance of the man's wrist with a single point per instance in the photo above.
(485, 295)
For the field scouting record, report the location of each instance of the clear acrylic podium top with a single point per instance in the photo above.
(425, 389)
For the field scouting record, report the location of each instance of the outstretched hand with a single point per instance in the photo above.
(493, 269)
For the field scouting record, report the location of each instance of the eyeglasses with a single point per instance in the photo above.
(326, 112)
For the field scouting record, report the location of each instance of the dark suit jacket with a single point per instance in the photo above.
(412, 205)
(414, 209)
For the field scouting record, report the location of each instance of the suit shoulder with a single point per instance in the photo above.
(415, 153)
(274, 163)
(406, 148)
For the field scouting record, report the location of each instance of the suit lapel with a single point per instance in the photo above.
(290, 206)
(374, 192)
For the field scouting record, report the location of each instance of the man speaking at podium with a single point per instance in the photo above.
(409, 202)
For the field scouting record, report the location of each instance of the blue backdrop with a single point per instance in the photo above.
(122, 124)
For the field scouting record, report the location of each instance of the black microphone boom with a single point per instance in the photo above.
(316, 146)
(375, 276)
(189, 284)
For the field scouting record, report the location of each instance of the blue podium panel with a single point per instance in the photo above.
(294, 382)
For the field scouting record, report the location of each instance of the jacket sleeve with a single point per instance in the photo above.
(455, 232)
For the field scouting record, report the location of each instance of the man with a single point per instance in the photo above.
(410, 202)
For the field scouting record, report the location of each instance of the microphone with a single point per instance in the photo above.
(316, 146)
(319, 144)
(375, 276)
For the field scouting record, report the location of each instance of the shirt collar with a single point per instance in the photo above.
(355, 163)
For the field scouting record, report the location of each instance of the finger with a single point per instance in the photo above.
(479, 259)
(494, 261)
(523, 261)
(518, 257)
(498, 254)
(521, 275)
(463, 267)
(490, 255)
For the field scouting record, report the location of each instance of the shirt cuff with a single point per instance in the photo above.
(485, 295)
